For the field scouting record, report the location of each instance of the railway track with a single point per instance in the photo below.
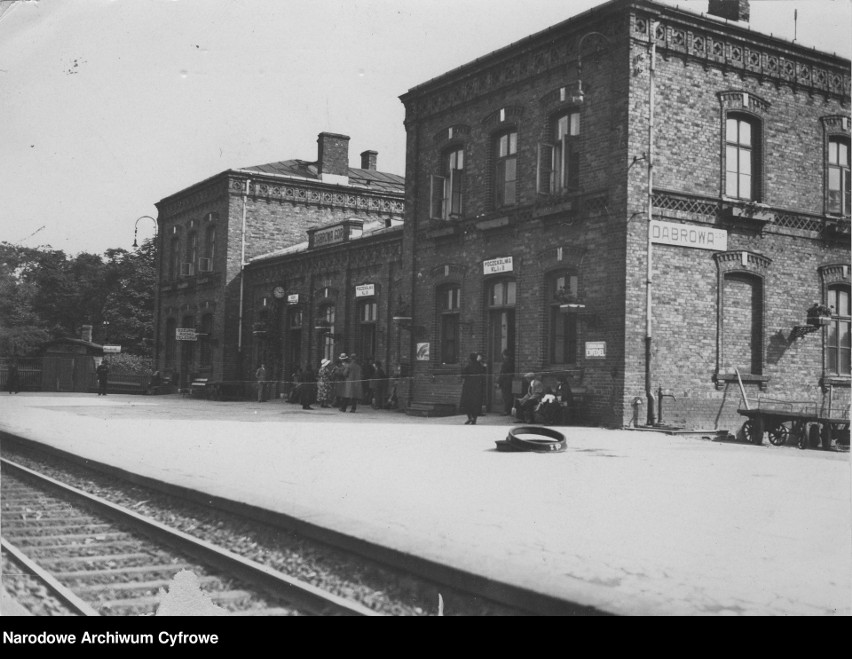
(100, 559)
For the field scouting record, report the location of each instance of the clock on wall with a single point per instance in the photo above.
(279, 292)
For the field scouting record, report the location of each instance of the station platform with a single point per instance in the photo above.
(627, 523)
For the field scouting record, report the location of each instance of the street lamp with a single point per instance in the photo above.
(136, 227)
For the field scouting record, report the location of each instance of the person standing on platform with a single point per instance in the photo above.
(504, 380)
(380, 386)
(102, 372)
(260, 376)
(473, 388)
(352, 385)
(306, 395)
(14, 379)
(325, 387)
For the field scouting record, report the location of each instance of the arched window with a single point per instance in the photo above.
(559, 160)
(501, 301)
(448, 305)
(742, 157)
(562, 326)
(188, 266)
(506, 169)
(174, 258)
(367, 310)
(837, 346)
(325, 325)
(205, 264)
(742, 323)
(837, 176)
(446, 193)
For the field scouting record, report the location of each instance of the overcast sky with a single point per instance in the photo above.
(107, 106)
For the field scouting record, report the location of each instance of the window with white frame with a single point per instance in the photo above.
(742, 157)
(559, 161)
(837, 174)
(447, 196)
(837, 341)
(506, 169)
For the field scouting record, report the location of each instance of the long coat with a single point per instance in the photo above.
(325, 390)
(352, 387)
(473, 389)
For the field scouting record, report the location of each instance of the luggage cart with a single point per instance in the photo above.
(801, 421)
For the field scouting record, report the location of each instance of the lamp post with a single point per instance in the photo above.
(136, 227)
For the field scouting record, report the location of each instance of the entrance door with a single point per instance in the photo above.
(501, 335)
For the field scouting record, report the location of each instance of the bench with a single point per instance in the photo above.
(198, 387)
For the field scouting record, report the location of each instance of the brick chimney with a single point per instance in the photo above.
(368, 159)
(86, 333)
(333, 158)
(733, 10)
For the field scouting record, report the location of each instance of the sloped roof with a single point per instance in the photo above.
(368, 178)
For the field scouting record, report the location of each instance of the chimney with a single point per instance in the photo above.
(368, 159)
(732, 10)
(333, 158)
(86, 333)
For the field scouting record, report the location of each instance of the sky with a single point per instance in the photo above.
(108, 106)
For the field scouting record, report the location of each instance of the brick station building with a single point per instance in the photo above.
(642, 198)
(214, 313)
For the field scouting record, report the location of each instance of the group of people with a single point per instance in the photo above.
(343, 384)
(537, 404)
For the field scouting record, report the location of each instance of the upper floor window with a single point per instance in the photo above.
(742, 157)
(446, 193)
(837, 344)
(559, 161)
(205, 263)
(506, 169)
(174, 258)
(449, 304)
(838, 176)
(188, 266)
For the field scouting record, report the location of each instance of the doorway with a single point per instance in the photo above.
(501, 301)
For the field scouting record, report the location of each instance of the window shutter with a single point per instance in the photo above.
(436, 197)
(545, 169)
(456, 201)
(572, 164)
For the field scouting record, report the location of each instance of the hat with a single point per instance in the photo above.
(343, 356)
(529, 376)
(324, 363)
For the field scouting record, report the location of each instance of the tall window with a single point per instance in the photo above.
(188, 266)
(501, 301)
(838, 176)
(559, 161)
(171, 343)
(742, 157)
(449, 298)
(837, 346)
(562, 348)
(326, 324)
(506, 170)
(446, 192)
(205, 264)
(367, 328)
(174, 258)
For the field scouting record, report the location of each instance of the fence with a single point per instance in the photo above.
(29, 374)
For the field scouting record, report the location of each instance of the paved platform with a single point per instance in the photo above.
(635, 523)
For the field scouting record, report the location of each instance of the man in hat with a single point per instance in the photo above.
(526, 404)
(352, 385)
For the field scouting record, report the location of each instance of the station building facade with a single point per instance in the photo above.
(213, 320)
(642, 199)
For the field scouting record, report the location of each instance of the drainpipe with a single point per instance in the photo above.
(649, 327)
(242, 275)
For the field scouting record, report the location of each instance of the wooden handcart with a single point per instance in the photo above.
(804, 422)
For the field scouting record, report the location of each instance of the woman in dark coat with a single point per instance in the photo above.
(473, 388)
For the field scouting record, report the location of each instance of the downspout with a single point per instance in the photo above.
(649, 327)
(242, 275)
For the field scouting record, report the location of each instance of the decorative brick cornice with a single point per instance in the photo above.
(450, 133)
(742, 260)
(357, 200)
(838, 124)
(835, 273)
(190, 200)
(748, 53)
(740, 100)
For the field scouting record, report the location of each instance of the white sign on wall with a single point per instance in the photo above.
(493, 266)
(688, 235)
(595, 349)
(423, 352)
(112, 349)
(185, 334)
(293, 298)
(365, 290)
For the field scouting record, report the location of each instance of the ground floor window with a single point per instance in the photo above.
(837, 341)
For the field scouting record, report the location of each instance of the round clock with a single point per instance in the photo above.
(279, 292)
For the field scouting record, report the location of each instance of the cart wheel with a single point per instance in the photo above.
(778, 435)
(749, 432)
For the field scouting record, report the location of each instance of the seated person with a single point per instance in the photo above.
(524, 408)
(549, 411)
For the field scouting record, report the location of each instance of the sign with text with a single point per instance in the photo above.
(493, 266)
(365, 290)
(112, 349)
(185, 334)
(328, 236)
(687, 235)
(595, 349)
(293, 299)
